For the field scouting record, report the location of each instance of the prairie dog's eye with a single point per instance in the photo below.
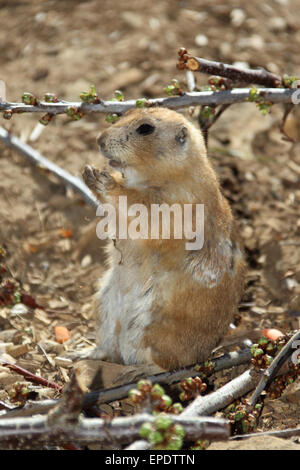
(145, 129)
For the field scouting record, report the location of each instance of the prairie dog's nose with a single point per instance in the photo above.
(101, 141)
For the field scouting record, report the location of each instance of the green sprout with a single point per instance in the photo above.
(174, 89)
(111, 118)
(90, 96)
(29, 99)
(118, 96)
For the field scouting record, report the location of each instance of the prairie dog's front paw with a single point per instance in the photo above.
(99, 181)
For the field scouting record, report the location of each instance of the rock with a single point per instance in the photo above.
(18, 309)
(132, 19)
(277, 24)
(254, 42)
(86, 261)
(201, 40)
(237, 17)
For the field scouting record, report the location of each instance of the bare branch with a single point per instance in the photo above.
(37, 430)
(235, 74)
(207, 98)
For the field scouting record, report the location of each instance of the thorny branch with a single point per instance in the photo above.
(235, 74)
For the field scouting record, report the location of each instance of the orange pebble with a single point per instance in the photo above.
(62, 334)
(272, 333)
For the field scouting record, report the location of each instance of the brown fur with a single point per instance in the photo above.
(192, 308)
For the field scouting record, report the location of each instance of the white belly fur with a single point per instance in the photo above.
(127, 304)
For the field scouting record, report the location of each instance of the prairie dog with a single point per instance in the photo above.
(158, 302)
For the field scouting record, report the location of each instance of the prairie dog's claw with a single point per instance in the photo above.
(99, 181)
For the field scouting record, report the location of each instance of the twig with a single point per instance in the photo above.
(236, 74)
(31, 377)
(69, 407)
(223, 396)
(116, 393)
(166, 378)
(38, 429)
(269, 373)
(208, 98)
(284, 433)
(190, 80)
(39, 160)
(216, 116)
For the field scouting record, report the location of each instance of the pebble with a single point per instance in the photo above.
(86, 261)
(276, 23)
(255, 42)
(132, 19)
(18, 309)
(237, 16)
(201, 40)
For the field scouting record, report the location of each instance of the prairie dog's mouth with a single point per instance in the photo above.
(115, 163)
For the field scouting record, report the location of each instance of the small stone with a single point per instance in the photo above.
(241, 65)
(18, 309)
(277, 24)
(225, 48)
(40, 17)
(201, 40)
(290, 283)
(247, 232)
(132, 19)
(254, 42)
(237, 16)
(86, 261)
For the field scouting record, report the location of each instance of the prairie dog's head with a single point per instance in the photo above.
(152, 146)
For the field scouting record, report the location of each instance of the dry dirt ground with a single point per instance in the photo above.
(65, 46)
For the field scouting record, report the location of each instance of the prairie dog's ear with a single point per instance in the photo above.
(181, 135)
